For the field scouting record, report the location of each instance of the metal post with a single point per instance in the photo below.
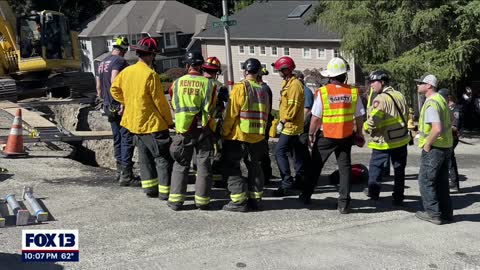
(38, 211)
(227, 46)
(2, 221)
(22, 215)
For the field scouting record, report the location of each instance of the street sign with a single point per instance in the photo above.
(224, 23)
(217, 24)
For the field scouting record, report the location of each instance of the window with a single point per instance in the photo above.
(336, 52)
(110, 44)
(306, 53)
(263, 50)
(83, 44)
(322, 53)
(286, 51)
(134, 38)
(170, 40)
(264, 66)
(274, 51)
(241, 65)
(252, 50)
(170, 63)
(241, 49)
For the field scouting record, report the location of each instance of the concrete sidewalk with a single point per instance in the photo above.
(119, 228)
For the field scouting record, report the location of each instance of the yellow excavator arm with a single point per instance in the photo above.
(8, 46)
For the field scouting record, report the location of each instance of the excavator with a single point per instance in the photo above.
(40, 56)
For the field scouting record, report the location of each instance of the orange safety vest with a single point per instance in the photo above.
(339, 102)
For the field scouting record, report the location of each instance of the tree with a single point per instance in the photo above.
(408, 38)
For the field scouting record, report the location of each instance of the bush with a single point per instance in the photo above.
(175, 73)
(165, 78)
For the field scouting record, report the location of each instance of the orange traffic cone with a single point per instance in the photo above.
(14, 146)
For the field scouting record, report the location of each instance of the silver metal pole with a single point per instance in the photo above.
(227, 46)
(41, 214)
(22, 215)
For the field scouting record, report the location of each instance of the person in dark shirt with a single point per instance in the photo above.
(108, 69)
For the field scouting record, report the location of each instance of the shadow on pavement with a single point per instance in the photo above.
(471, 218)
(5, 176)
(14, 261)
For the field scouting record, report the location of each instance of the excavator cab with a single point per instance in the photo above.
(39, 56)
(45, 35)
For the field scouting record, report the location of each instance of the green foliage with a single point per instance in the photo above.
(408, 38)
(164, 77)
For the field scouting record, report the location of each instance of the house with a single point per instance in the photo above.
(268, 30)
(172, 23)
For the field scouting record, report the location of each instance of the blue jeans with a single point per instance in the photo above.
(290, 144)
(433, 182)
(377, 167)
(122, 144)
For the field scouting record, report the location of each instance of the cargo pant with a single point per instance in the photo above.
(182, 149)
(155, 162)
(241, 189)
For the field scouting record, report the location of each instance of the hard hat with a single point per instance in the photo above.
(284, 62)
(443, 92)
(335, 67)
(264, 71)
(147, 44)
(212, 64)
(193, 58)
(252, 65)
(378, 75)
(121, 43)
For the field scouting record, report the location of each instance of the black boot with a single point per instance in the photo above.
(127, 178)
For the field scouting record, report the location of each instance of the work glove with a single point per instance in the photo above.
(280, 127)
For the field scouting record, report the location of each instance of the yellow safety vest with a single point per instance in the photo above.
(254, 112)
(445, 140)
(390, 126)
(192, 97)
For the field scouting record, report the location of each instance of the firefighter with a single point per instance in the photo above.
(244, 134)
(193, 101)
(147, 116)
(388, 136)
(335, 110)
(123, 146)
(371, 96)
(211, 70)
(290, 127)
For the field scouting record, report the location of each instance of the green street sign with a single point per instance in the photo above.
(224, 23)
(217, 24)
(232, 23)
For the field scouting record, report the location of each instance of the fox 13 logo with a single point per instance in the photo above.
(50, 246)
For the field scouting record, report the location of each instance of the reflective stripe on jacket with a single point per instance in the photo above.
(254, 112)
(192, 99)
(339, 103)
(231, 124)
(445, 140)
(384, 122)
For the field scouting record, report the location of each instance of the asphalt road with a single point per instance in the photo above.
(119, 228)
